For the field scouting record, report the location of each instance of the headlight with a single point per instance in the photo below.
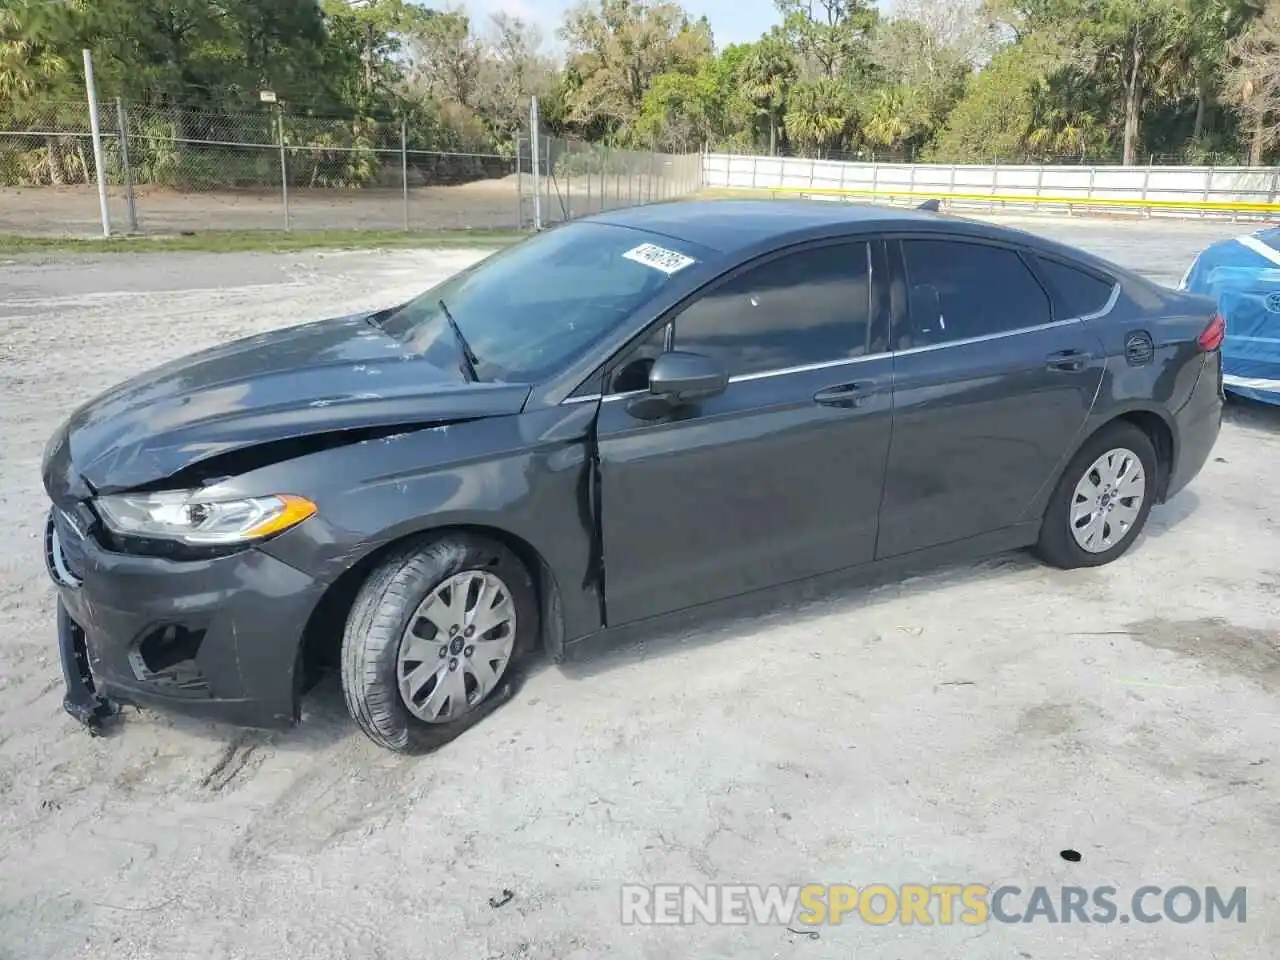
(182, 517)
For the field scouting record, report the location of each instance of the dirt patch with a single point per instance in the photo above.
(1217, 643)
(484, 204)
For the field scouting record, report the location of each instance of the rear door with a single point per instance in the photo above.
(779, 477)
(991, 390)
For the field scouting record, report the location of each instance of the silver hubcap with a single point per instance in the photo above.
(456, 647)
(1107, 500)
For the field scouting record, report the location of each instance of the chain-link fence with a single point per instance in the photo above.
(578, 179)
(172, 170)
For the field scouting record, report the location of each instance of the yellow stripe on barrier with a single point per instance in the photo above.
(1123, 202)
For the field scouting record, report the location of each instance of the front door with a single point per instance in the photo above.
(779, 477)
(991, 390)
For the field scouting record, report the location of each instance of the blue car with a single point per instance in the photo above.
(1243, 275)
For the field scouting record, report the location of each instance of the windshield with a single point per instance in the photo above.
(529, 309)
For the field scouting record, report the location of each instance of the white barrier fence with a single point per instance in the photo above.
(1237, 192)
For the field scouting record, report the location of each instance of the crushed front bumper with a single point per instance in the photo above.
(81, 698)
(217, 638)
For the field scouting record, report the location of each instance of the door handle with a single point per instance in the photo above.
(1067, 360)
(844, 395)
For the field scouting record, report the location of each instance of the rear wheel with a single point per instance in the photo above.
(434, 640)
(1102, 500)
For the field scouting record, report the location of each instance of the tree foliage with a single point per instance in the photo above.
(1037, 80)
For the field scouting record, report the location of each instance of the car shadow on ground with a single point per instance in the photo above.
(844, 594)
(840, 594)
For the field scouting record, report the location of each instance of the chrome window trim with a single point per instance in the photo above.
(1107, 308)
(743, 377)
(826, 364)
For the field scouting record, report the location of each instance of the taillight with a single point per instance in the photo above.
(1211, 337)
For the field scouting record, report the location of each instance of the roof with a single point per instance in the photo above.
(729, 225)
(733, 227)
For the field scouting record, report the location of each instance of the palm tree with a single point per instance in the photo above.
(30, 66)
(818, 112)
(886, 122)
(766, 76)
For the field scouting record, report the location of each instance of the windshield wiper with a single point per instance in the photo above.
(468, 358)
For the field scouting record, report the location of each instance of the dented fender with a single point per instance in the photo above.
(525, 477)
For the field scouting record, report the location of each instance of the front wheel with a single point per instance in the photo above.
(1102, 500)
(434, 639)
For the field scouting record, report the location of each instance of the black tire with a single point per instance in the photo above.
(1057, 545)
(380, 614)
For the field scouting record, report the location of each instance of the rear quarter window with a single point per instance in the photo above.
(1074, 292)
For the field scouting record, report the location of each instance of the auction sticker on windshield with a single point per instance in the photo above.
(660, 258)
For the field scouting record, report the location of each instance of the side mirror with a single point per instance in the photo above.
(682, 377)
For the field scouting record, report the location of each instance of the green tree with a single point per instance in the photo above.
(995, 116)
(617, 49)
(819, 111)
(829, 37)
(682, 111)
(1253, 83)
(766, 74)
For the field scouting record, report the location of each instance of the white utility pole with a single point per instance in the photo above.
(99, 165)
(533, 149)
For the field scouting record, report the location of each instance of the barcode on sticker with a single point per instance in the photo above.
(660, 258)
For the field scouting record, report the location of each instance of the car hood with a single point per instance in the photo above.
(323, 377)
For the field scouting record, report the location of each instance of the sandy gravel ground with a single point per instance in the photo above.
(964, 726)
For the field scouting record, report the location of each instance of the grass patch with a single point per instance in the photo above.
(233, 241)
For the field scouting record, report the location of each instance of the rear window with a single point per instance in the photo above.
(1075, 293)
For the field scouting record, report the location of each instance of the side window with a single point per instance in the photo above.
(957, 290)
(1075, 293)
(806, 307)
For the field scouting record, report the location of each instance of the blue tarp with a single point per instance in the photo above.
(1243, 274)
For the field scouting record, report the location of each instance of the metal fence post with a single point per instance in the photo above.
(548, 173)
(284, 168)
(404, 168)
(519, 184)
(123, 125)
(100, 168)
(533, 152)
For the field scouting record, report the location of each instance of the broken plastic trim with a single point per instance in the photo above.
(81, 698)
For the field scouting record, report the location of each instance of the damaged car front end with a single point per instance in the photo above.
(218, 523)
(185, 571)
